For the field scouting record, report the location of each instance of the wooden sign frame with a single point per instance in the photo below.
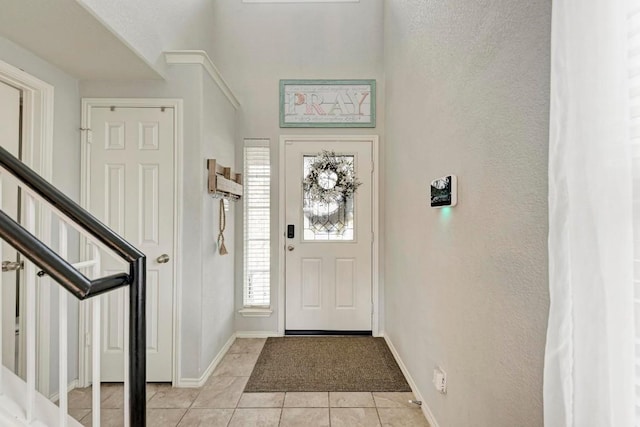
(328, 103)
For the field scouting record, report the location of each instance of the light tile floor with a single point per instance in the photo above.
(221, 402)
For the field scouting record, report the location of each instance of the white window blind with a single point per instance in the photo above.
(257, 221)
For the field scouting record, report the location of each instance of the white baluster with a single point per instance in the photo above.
(62, 325)
(30, 286)
(96, 326)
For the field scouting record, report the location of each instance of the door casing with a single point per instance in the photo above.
(375, 246)
(37, 145)
(10, 112)
(84, 356)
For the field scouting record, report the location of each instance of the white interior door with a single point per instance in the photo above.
(328, 261)
(10, 140)
(131, 177)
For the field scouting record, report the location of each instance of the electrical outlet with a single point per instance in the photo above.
(440, 380)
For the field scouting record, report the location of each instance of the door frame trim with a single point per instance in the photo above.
(375, 224)
(37, 142)
(84, 356)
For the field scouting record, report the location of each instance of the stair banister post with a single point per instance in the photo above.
(63, 243)
(137, 343)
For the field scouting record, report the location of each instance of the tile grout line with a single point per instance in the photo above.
(190, 405)
(375, 404)
(378, 414)
(281, 411)
(231, 418)
(236, 406)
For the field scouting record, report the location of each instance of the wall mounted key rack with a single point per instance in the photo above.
(222, 182)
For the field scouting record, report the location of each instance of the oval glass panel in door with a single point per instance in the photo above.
(327, 219)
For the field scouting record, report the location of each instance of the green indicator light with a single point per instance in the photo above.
(446, 212)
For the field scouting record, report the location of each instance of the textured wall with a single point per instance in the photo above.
(208, 132)
(467, 90)
(66, 133)
(256, 45)
(152, 27)
(218, 288)
(65, 173)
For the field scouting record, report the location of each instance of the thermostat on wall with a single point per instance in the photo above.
(444, 191)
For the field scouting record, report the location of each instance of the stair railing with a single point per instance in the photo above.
(80, 286)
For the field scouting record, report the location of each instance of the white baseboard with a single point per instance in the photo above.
(425, 408)
(257, 334)
(55, 396)
(199, 382)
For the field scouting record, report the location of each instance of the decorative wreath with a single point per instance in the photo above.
(331, 179)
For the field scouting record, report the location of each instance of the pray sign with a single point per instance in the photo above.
(327, 103)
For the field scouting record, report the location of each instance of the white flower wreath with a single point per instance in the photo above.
(331, 179)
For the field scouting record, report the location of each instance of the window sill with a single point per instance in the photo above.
(256, 312)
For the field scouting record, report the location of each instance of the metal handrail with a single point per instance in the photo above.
(74, 281)
(60, 270)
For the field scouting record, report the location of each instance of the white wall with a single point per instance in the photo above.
(151, 27)
(207, 282)
(256, 45)
(463, 88)
(207, 302)
(66, 133)
(65, 171)
(209, 125)
(468, 93)
(218, 127)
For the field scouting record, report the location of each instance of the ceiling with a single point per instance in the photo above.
(65, 34)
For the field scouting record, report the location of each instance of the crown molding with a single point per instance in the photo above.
(201, 57)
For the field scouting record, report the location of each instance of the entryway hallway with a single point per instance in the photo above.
(221, 402)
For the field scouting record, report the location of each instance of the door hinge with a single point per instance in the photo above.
(372, 166)
(87, 339)
(89, 133)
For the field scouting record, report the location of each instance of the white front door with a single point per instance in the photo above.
(10, 141)
(328, 278)
(131, 175)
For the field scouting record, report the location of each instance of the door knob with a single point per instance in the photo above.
(290, 248)
(163, 259)
(12, 266)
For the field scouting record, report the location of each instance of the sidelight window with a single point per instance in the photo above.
(257, 223)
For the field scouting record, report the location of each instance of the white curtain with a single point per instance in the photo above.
(589, 361)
